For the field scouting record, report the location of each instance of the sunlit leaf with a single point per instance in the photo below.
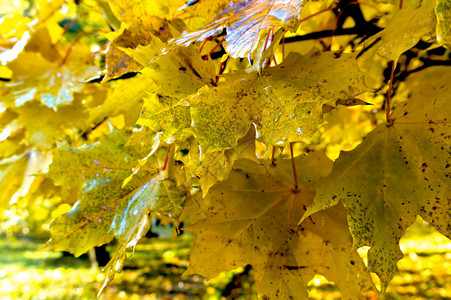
(52, 85)
(18, 174)
(207, 9)
(243, 21)
(285, 102)
(176, 74)
(164, 114)
(44, 126)
(143, 31)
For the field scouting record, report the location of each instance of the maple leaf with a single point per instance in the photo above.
(12, 135)
(401, 170)
(106, 210)
(139, 27)
(165, 114)
(172, 76)
(145, 31)
(12, 171)
(43, 126)
(252, 220)
(244, 20)
(165, 110)
(285, 102)
(213, 167)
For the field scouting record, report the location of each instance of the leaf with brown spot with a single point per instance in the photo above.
(284, 102)
(252, 220)
(401, 170)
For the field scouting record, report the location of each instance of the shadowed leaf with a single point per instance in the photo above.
(401, 170)
(252, 220)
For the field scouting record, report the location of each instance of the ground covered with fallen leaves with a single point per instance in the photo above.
(155, 272)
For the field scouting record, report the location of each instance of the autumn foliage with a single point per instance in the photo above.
(285, 134)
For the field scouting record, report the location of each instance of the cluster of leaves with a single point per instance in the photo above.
(131, 108)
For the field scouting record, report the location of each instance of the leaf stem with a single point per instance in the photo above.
(272, 156)
(390, 88)
(296, 186)
(166, 158)
(221, 68)
(335, 28)
(283, 47)
(204, 42)
(214, 48)
(317, 13)
(270, 33)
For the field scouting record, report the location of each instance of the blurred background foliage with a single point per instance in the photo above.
(155, 270)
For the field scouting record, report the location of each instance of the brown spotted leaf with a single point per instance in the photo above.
(401, 170)
(252, 220)
(284, 102)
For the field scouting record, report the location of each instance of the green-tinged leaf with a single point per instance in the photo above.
(243, 21)
(166, 114)
(285, 102)
(106, 210)
(252, 220)
(401, 170)
(181, 72)
(130, 223)
(443, 12)
(97, 170)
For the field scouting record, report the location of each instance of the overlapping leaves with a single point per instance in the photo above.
(250, 208)
(52, 85)
(402, 169)
(244, 20)
(285, 102)
(105, 209)
(252, 220)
